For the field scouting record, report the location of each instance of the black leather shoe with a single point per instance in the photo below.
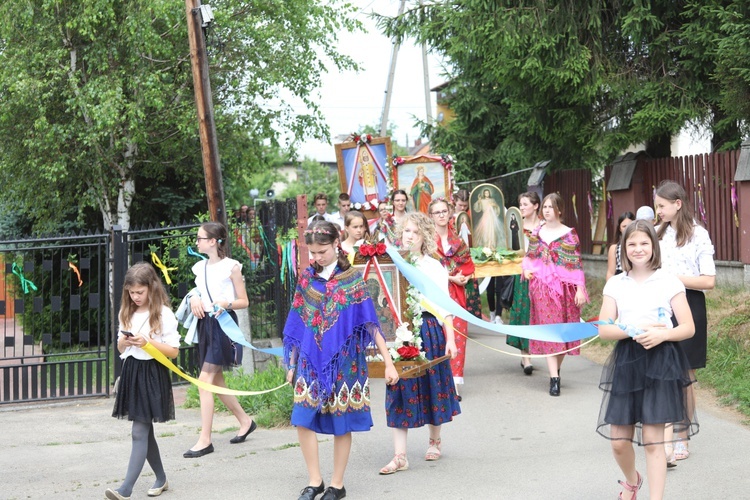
(199, 453)
(334, 493)
(554, 386)
(527, 369)
(310, 492)
(241, 439)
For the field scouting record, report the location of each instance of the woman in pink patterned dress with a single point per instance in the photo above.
(557, 286)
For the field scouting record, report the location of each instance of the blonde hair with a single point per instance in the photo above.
(426, 228)
(143, 274)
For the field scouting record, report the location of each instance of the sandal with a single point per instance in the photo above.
(631, 488)
(669, 452)
(681, 451)
(398, 463)
(433, 451)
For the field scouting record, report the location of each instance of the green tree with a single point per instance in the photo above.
(312, 178)
(98, 111)
(576, 82)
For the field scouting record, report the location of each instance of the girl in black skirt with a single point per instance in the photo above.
(689, 254)
(144, 394)
(646, 380)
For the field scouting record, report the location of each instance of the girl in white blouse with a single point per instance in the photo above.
(688, 253)
(144, 393)
(222, 290)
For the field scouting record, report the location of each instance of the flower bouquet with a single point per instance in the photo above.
(406, 353)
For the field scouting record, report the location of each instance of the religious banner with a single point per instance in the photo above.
(362, 162)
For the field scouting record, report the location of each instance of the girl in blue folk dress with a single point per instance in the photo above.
(430, 399)
(646, 379)
(330, 325)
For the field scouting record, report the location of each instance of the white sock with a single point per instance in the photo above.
(492, 315)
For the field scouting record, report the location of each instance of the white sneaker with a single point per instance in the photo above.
(499, 320)
(492, 317)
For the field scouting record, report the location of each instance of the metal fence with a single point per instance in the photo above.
(54, 304)
(59, 313)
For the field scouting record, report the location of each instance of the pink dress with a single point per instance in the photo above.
(558, 271)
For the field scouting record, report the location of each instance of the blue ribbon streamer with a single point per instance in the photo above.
(558, 332)
(192, 252)
(232, 330)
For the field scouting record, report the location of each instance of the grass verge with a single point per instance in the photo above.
(273, 409)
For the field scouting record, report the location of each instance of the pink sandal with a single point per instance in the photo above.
(631, 488)
(398, 463)
(433, 450)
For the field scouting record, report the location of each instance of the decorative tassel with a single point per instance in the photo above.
(701, 207)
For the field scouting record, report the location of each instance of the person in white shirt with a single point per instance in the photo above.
(687, 252)
(144, 389)
(321, 204)
(344, 204)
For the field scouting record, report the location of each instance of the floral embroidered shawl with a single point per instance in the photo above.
(456, 258)
(557, 263)
(324, 317)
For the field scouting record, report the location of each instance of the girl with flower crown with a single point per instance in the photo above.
(330, 325)
(430, 399)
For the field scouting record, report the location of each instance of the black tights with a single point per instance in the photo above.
(144, 448)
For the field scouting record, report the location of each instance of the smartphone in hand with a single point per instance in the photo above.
(127, 334)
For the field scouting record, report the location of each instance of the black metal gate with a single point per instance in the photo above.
(60, 314)
(54, 303)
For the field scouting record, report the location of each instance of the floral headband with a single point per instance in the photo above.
(317, 230)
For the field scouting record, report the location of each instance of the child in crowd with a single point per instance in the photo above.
(430, 399)
(614, 254)
(688, 254)
(646, 378)
(221, 290)
(357, 230)
(144, 393)
(330, 325)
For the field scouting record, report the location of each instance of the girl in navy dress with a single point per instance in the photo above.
(330, 325)
(221, 290)
(144, 394)
(646, 379)
(430, 399)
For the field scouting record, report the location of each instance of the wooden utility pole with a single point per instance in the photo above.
(389, 82)
(205, 108)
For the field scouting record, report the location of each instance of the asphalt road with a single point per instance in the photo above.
(512, 441)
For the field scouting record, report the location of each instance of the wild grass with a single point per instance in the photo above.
(272, 409)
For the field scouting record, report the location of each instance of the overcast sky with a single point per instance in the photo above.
(352, 100)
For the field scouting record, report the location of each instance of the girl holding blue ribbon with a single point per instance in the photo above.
(144, 391)
(430, 399)
(331, 322)
(221, 290)
(646, 380)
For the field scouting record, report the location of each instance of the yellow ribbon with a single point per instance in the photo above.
(78, 273)
(164, 269)
(161, 358)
